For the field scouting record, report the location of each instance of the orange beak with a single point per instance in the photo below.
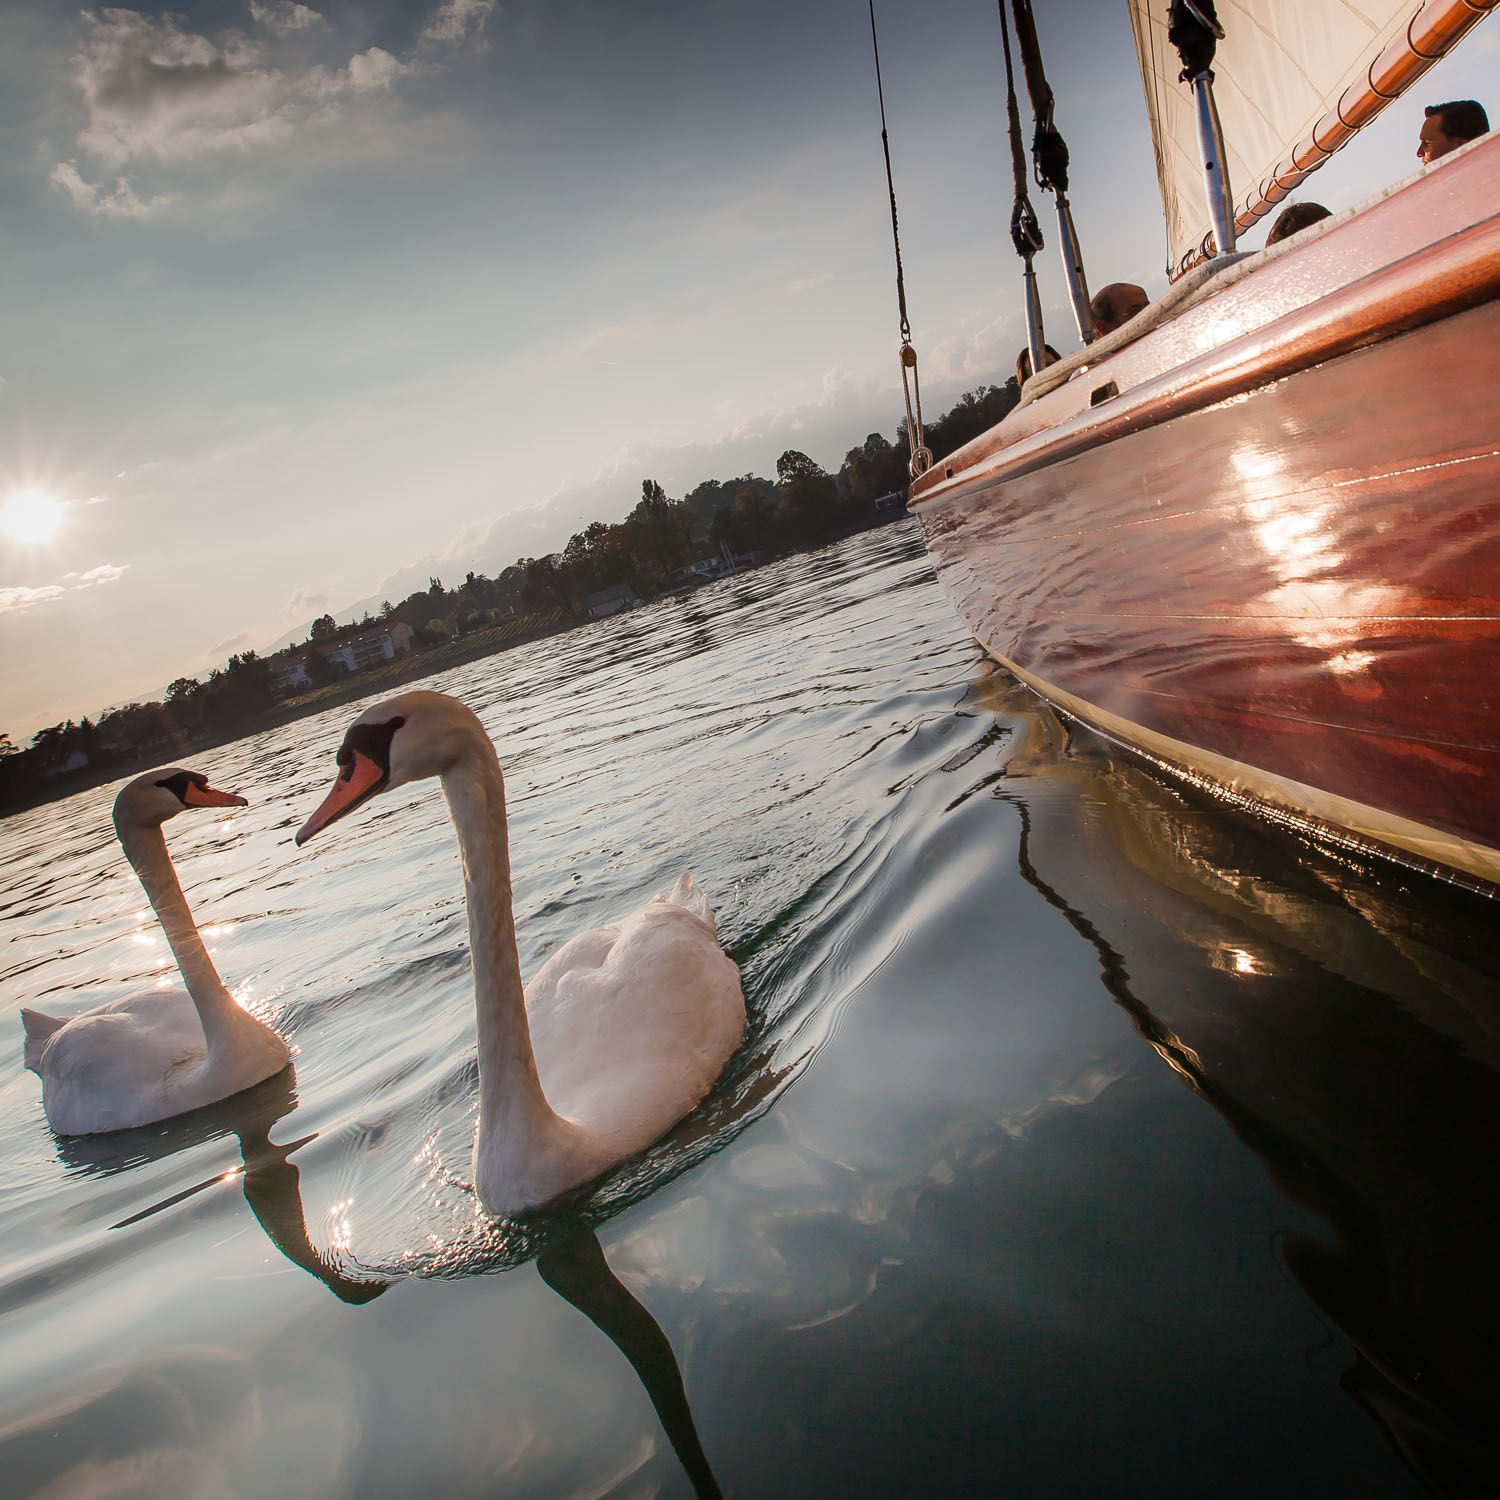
(208, 796)
(360, 779)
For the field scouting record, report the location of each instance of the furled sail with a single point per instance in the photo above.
(1281, 67)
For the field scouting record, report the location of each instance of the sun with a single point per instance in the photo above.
(30, 516)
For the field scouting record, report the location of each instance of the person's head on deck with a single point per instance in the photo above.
(1116, 304)
(1296, 216)
(1050, 356)
(1449, 126)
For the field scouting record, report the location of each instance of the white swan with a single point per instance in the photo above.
(158, 1053)
(619, 1034)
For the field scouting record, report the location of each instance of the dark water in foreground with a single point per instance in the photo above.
(1089, 1139)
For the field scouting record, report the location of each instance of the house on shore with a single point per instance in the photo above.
(611, 601)
(353, 655)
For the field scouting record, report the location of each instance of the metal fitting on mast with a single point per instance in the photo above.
(1193, 29)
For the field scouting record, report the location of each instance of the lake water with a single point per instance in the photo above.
(1088, 1139)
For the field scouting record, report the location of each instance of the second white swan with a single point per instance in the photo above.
(157, 1053)
(619, 1034)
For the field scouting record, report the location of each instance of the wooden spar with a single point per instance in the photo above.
(1429, 36)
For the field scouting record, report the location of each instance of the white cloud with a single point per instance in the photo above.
(374, 70)
(284, 15)
(808, 283)
(104, 573)
(155, 92)
(455, 20)
(24, 598)
(21, 598)
(120, 202)
(986, 354)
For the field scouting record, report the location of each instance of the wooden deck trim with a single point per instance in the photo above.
(1456, 273)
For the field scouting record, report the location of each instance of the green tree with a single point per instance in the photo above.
(875, 468)
(810, 508)
(324, 628)
(664, 529)
(544, 587)
(794, 465)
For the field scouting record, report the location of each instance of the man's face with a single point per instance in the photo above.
(1435, 141)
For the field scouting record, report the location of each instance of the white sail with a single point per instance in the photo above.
(1281, 66)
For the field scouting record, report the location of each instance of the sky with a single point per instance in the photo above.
(301, 304)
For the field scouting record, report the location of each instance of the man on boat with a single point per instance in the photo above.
(1116, 305)
(1449, 126)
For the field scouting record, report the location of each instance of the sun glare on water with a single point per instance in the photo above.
(29, 516)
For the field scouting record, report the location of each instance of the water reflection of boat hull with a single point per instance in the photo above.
(1346, 1031)
(1262, 542)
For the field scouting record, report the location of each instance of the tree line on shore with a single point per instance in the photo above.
(746, 518)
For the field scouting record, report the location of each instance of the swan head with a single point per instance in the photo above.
(149, 800)
(405, 738)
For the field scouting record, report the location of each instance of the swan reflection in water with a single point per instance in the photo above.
(1343, 1023)
(573, 1265)
(269, 1179)
(570, 1261)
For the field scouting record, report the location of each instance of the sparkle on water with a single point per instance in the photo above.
(1088, 1139)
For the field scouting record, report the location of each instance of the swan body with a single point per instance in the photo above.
(158, 1053)
(619, 1034)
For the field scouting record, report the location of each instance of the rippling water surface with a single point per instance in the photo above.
(1088, 1139)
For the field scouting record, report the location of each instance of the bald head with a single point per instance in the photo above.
(1116, 304)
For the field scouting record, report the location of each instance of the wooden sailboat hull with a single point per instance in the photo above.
(1274, 566)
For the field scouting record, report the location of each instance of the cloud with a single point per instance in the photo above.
(808, 283)
(24, 598)
(455, 20)
(21, 598)
(374, 70)
(121, 202)
(305, 602)
(967, 357)
(282, 16)
(104, 573)
(156, 93)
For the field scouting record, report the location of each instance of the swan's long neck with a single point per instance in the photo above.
(146, 849)
(514, 1116)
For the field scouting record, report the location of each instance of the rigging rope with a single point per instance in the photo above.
(1025, 232)
(921, 455)
(1049, 152)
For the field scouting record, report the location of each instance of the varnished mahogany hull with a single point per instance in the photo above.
(1292, 592)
